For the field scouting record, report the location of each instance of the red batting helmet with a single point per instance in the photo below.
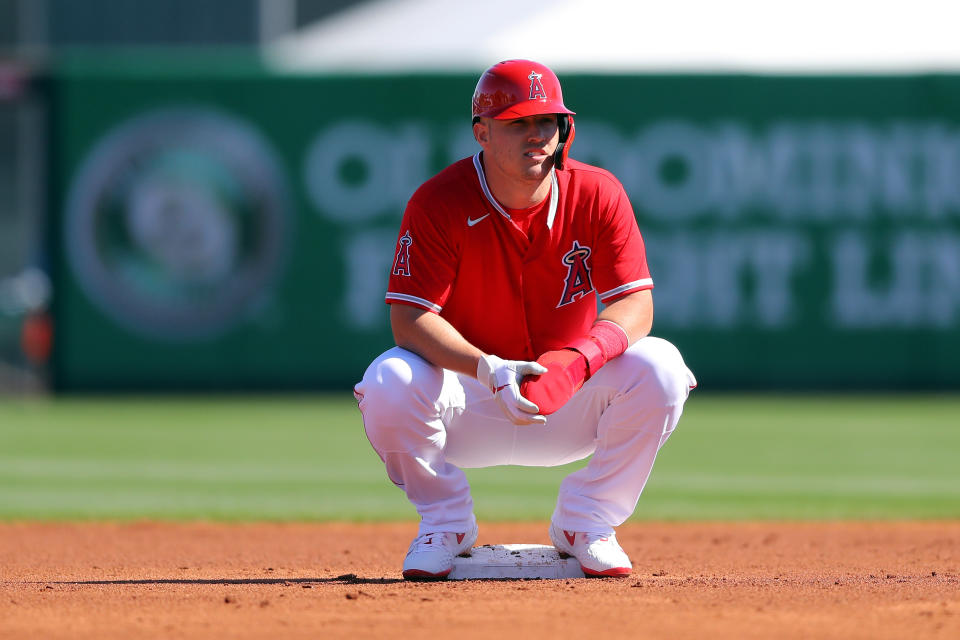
(516, 89)
(519, 88)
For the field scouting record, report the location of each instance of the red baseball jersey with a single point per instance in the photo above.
(518, 283)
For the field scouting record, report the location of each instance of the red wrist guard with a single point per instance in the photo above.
(605, 341)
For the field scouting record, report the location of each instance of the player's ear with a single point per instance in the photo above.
(481, 132)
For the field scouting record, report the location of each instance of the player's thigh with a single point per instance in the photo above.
(630, 393)
(478, 434)
(481, 436)
(570, 433)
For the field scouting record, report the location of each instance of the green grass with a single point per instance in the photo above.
(306, 458)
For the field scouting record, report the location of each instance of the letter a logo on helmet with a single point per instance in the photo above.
(536, 87)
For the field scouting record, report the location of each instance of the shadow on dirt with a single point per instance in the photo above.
(347, 578)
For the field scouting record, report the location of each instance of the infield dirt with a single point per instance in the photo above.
(690, 580)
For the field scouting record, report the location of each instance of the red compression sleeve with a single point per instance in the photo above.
(606, 340)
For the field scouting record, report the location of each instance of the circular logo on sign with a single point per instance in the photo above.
(177, 223)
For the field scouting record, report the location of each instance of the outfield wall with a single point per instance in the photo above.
(218, 226)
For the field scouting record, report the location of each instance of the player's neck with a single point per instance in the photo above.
(517, 194)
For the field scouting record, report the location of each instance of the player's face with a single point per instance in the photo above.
(521, 149)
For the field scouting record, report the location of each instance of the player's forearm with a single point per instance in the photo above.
(633, 312)
(625, 321)
(433, 338)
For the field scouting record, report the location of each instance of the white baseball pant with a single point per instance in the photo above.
(427, 423)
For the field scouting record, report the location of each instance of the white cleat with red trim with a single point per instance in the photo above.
(599, 554)
(431, 555)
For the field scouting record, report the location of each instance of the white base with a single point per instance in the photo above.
(514, 561)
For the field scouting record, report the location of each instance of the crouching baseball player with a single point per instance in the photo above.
(501, 356)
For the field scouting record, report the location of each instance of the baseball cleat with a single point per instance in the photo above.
(599, 554)
(431, 555)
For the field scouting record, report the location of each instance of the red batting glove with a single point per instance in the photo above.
(566, 373)
(570, 367)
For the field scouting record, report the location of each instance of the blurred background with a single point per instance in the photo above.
(199, 202)
(204, 194)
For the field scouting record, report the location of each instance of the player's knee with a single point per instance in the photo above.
(399, 387)
(664, 374)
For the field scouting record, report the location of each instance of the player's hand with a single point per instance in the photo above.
(503, 377)
(566, 371)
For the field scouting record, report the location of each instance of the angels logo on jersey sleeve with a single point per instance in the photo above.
(578, 282)
(401, 264)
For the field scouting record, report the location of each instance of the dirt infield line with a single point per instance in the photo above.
(690, 580)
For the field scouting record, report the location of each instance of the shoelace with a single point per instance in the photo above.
(429, 540)
(590, 538)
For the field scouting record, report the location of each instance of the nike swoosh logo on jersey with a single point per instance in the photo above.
(471, 221)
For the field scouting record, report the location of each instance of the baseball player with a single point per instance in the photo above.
(501, 356)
